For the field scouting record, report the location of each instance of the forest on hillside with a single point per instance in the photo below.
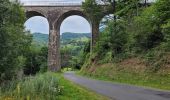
(134, 48)
(137, 30)
(41, 39)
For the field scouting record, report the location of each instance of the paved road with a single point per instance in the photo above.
(117, 91)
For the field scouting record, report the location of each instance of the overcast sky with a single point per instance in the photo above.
(74, 23)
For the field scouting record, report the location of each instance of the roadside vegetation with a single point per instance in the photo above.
(23, 53)
(72, 49)
(119, 74)
(23, 63)
(134, 47)
(47, 86)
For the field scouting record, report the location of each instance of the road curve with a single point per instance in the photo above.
(116, 91)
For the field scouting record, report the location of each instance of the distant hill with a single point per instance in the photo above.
(70, 36)
(41, 39)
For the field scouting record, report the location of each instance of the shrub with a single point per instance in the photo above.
(13, 39)
(41, 87)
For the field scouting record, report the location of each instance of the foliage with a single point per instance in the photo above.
(148, 34)
(46, 86)
(112, 41)
(93, 10)
(14, 41)
(70, 36)
(72, 46)
(41, 87)
(72, 50)
(116, 73)
(36, 60)
(78, 60)
(40, 40)
(138, 31)
(127, 8)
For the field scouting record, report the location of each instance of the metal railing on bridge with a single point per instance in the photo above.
(57, 3)
(67, 3)
(50, 3)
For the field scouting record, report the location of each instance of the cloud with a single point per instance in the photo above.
(37, 24)
(75, 24)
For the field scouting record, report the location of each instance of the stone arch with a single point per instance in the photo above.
(109, 16)
(33, 13)
(54, 60)
(105, 14)
(30, 14)
(55, 16)
(59, 21)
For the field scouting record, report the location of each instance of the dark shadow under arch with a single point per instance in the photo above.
(30, 14)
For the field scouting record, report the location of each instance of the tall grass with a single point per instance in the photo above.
(46, 86)
(40, 87)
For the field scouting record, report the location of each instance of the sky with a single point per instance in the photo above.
(76, 24)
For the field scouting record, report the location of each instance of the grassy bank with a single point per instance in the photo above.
(114, 73)
(73, 91)
(48, 86)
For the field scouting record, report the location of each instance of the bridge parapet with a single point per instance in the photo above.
(57, 3)
(50, 3)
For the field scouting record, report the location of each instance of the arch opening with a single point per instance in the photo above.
(38, 26)
(104, 21)
(58, 23)
(75, 36)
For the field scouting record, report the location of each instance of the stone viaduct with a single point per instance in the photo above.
(55, 14)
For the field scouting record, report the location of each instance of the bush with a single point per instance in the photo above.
(41, 87)
(36, 60)
(112, 41)
(14, 41)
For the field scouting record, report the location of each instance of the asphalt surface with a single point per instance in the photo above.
(116, 91)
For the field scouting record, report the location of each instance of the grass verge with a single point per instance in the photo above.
(47, 86)
(111, 73)
(73, 91)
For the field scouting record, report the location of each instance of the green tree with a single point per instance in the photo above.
(14, 41)
(93, 10)
(151, 25)
(36, 60)
(113, 40)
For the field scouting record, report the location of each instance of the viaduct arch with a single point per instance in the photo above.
(55, 16)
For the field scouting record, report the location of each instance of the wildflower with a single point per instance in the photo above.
(18, 88)
(8, 98)
(28, 98)
(55, 89)
(60, 89)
